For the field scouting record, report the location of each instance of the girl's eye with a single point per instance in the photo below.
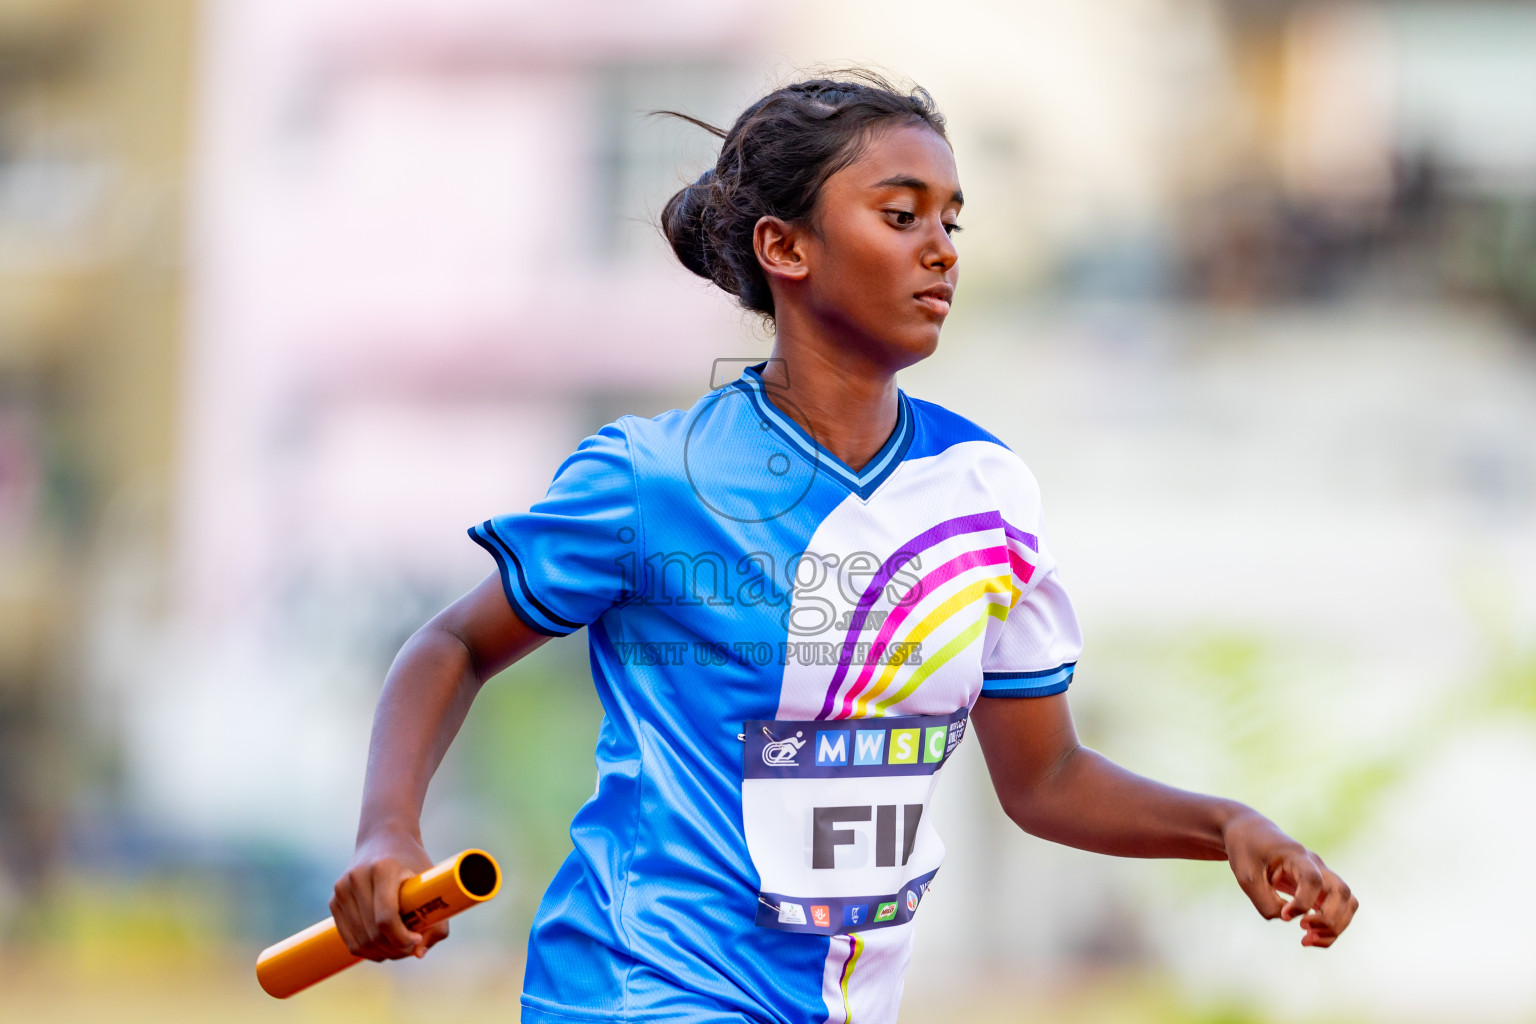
(903, 217)
(952, 228)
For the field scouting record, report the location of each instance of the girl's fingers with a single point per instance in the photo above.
(1337, 907)
(1255, 882)
(1308, 886)
(351, 922)
(366, 903)
(1320, 939)
(1319, 901)
(1331, 904)
(394, 939)
(435, 934)
(363, 897)
(342, 915)
(1319, 931)
(1332, 914)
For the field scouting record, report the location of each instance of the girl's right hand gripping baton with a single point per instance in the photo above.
(318, 951)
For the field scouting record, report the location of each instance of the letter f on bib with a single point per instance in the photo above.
(826, 837)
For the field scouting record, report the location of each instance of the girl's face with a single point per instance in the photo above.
(880, 265)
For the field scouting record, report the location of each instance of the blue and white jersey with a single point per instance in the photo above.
(786, 651)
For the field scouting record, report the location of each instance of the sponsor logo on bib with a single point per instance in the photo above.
(835, 816)
(856, 752)
(782, 753)
(831, 749)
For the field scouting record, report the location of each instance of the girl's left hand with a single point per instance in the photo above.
(1265, 859)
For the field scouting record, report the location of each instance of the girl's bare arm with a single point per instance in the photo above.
(1057, 789)
(427, 693)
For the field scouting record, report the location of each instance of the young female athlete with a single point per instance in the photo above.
(799, 594)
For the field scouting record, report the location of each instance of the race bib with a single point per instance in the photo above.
(836, 818)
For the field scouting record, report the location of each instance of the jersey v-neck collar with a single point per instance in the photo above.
(862, 482)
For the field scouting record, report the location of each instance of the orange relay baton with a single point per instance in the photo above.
(318, 952)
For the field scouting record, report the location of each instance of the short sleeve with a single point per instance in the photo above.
(573, 555)
(1038, 646)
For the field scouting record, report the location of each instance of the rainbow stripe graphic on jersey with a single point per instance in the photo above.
(855, 949)
(870, 694)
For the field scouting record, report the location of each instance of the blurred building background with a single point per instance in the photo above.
(293, 292)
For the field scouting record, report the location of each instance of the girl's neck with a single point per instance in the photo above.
(847, 404)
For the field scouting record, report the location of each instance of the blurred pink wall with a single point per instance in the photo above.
(400, 283)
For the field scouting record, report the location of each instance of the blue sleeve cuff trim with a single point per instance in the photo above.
(534, 613)
(1027, 684)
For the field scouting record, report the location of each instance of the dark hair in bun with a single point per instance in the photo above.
(773, 162)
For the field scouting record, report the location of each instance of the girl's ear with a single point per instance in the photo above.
(780, 249)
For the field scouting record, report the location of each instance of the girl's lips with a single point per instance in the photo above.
(933, 303)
